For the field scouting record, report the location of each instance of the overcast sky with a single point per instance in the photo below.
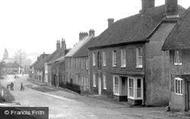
(35, 25)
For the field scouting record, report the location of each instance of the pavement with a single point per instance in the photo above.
(64, 104)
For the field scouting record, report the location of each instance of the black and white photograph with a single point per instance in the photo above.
(94, 59)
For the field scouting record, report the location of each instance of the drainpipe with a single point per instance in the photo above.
(144, 78)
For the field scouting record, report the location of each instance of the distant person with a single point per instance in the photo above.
(21, 87)
(12, 86)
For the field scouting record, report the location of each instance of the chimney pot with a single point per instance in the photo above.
(91, 32)
(58, 45)
(82, 35)
(110, 22)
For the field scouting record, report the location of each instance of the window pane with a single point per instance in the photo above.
(178, 86)
(123, 57)
(175, 86)
(177, 57)
(140, 52)
(104, 81)
(138, 92)
(114, 58)
(138, 83)
(181, 87)
(139, 57)
(116, 85)
(139, 88)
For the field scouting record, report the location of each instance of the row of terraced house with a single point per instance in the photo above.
(143, 59)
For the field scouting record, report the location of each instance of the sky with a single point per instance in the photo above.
(34, 26)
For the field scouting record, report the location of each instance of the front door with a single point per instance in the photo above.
(99, 86)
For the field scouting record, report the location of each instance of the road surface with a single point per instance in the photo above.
(68, 105)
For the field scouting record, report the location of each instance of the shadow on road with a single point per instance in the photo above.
(41, 88)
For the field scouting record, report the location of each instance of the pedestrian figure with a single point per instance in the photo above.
(12, 86)
(21, 87)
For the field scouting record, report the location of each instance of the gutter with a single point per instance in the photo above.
(119, 44)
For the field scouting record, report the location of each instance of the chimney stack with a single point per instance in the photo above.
(63, 44)
(82, 35)
(91, 32)
(58, 45)
(171, 7)
(110, 22)
(147, 4)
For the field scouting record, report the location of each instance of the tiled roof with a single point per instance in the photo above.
(132, 29)
(83, 51)
(55, 55)
(77, 47)
(179, 38)
(80, 49)
(39, 64)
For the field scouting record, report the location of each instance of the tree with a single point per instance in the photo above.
(20, 57)
(5, 54)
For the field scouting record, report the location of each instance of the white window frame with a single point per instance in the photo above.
(94, 80)
(116, 90)
(114, 58)
(178, 86)
(104, 58)
(104, 82)
(139, 59)
(93, 59)
(134, 89)
(123, 57)
(177, 57)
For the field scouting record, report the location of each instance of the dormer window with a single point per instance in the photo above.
(177, 57)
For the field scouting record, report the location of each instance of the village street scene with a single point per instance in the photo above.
(137, 67)
(65, 104)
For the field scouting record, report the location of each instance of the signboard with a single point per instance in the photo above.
(24, 112)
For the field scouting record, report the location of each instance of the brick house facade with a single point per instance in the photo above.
(126, 60)
(38, 70)
(77, 64)
(52, 69)
(177, 44)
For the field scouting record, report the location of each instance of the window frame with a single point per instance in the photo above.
(103, 58)
(104, 82)
(123, 58)
(93, 59)
(114, 58)
(87, 64)
(138, 57)
(178, 83)
(135, 88)
(116, 89)
(177, 57)
(94, 80)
